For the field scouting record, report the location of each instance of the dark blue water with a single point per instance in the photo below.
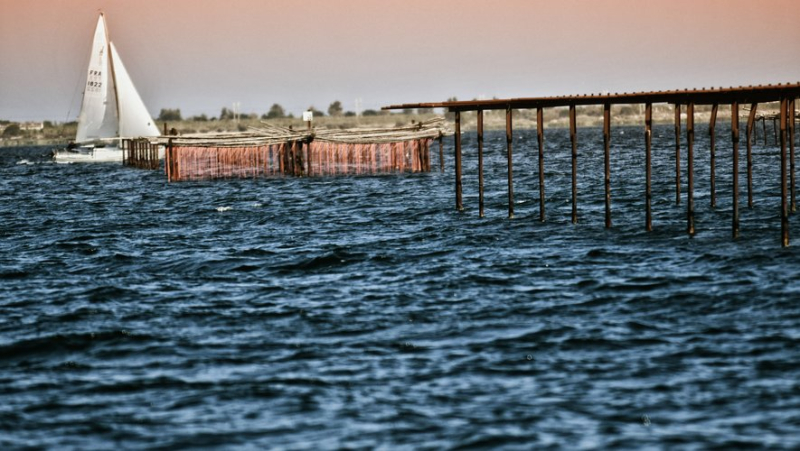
(363, 312)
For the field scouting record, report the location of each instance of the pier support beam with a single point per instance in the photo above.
(308, 159)
(459, 202)
(441, 154)
(509, 146)
(735, 140)
(793, 205)
(573, 136)
(540, 139)
(750, 137)
(648, 135)
(775, 129)
(480, 163)
(784, 203)
(690, 168)
(169, 161)
(607, 158)
(677, 154)
(713, 163)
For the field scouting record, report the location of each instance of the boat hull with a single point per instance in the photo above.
(93, 155)
(88, 155)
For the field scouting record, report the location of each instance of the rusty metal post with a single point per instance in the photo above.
(784, 203)
(573, 136)
(607, 158)
(712, 137)
(750, 137)
(677, 154)
(735, 139)
(480, 163)
(459, 203)
(648, 195)
(540, 139)
(793, 205)
(510, 163)
(690, 168)
(775, 129)
(441, 154)
(168, 160)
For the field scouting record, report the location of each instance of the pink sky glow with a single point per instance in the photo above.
(202, 55)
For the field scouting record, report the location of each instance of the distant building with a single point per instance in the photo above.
(31, 126)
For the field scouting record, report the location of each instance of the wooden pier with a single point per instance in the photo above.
(751, 96)
(141, 153)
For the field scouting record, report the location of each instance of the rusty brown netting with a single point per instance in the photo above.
(276, 151)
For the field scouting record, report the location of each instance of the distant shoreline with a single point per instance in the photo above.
(554, 118)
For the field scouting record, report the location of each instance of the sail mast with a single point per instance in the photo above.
(113, 75)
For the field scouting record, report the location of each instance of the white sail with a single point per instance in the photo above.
(134, 120)
(111, 107)
(98, 118)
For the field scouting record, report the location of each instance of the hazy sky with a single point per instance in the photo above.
(202, 55)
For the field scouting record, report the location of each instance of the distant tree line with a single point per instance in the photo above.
(276, 111)
(170, 115)
(11, 131)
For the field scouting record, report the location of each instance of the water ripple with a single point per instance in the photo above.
(364, 312)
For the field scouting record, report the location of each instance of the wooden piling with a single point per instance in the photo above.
(750, 137)
(287, 159)
(648, 135)
(509, 155)
(784, 203)
(166, 162)
(540, 139)
(281, 157)
(775, 129)
(441, 154)
(735, 140)
(169, 161)
(308, 159)
(480, 163)
(607, 162)
(764, 128)
(427, 148)
(713, 158)
(677, 154)
(297, 149)
(792, 205)
(573, 136)
(459, 203)
(690, 168)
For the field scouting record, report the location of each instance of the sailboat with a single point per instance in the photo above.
(111, 108)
